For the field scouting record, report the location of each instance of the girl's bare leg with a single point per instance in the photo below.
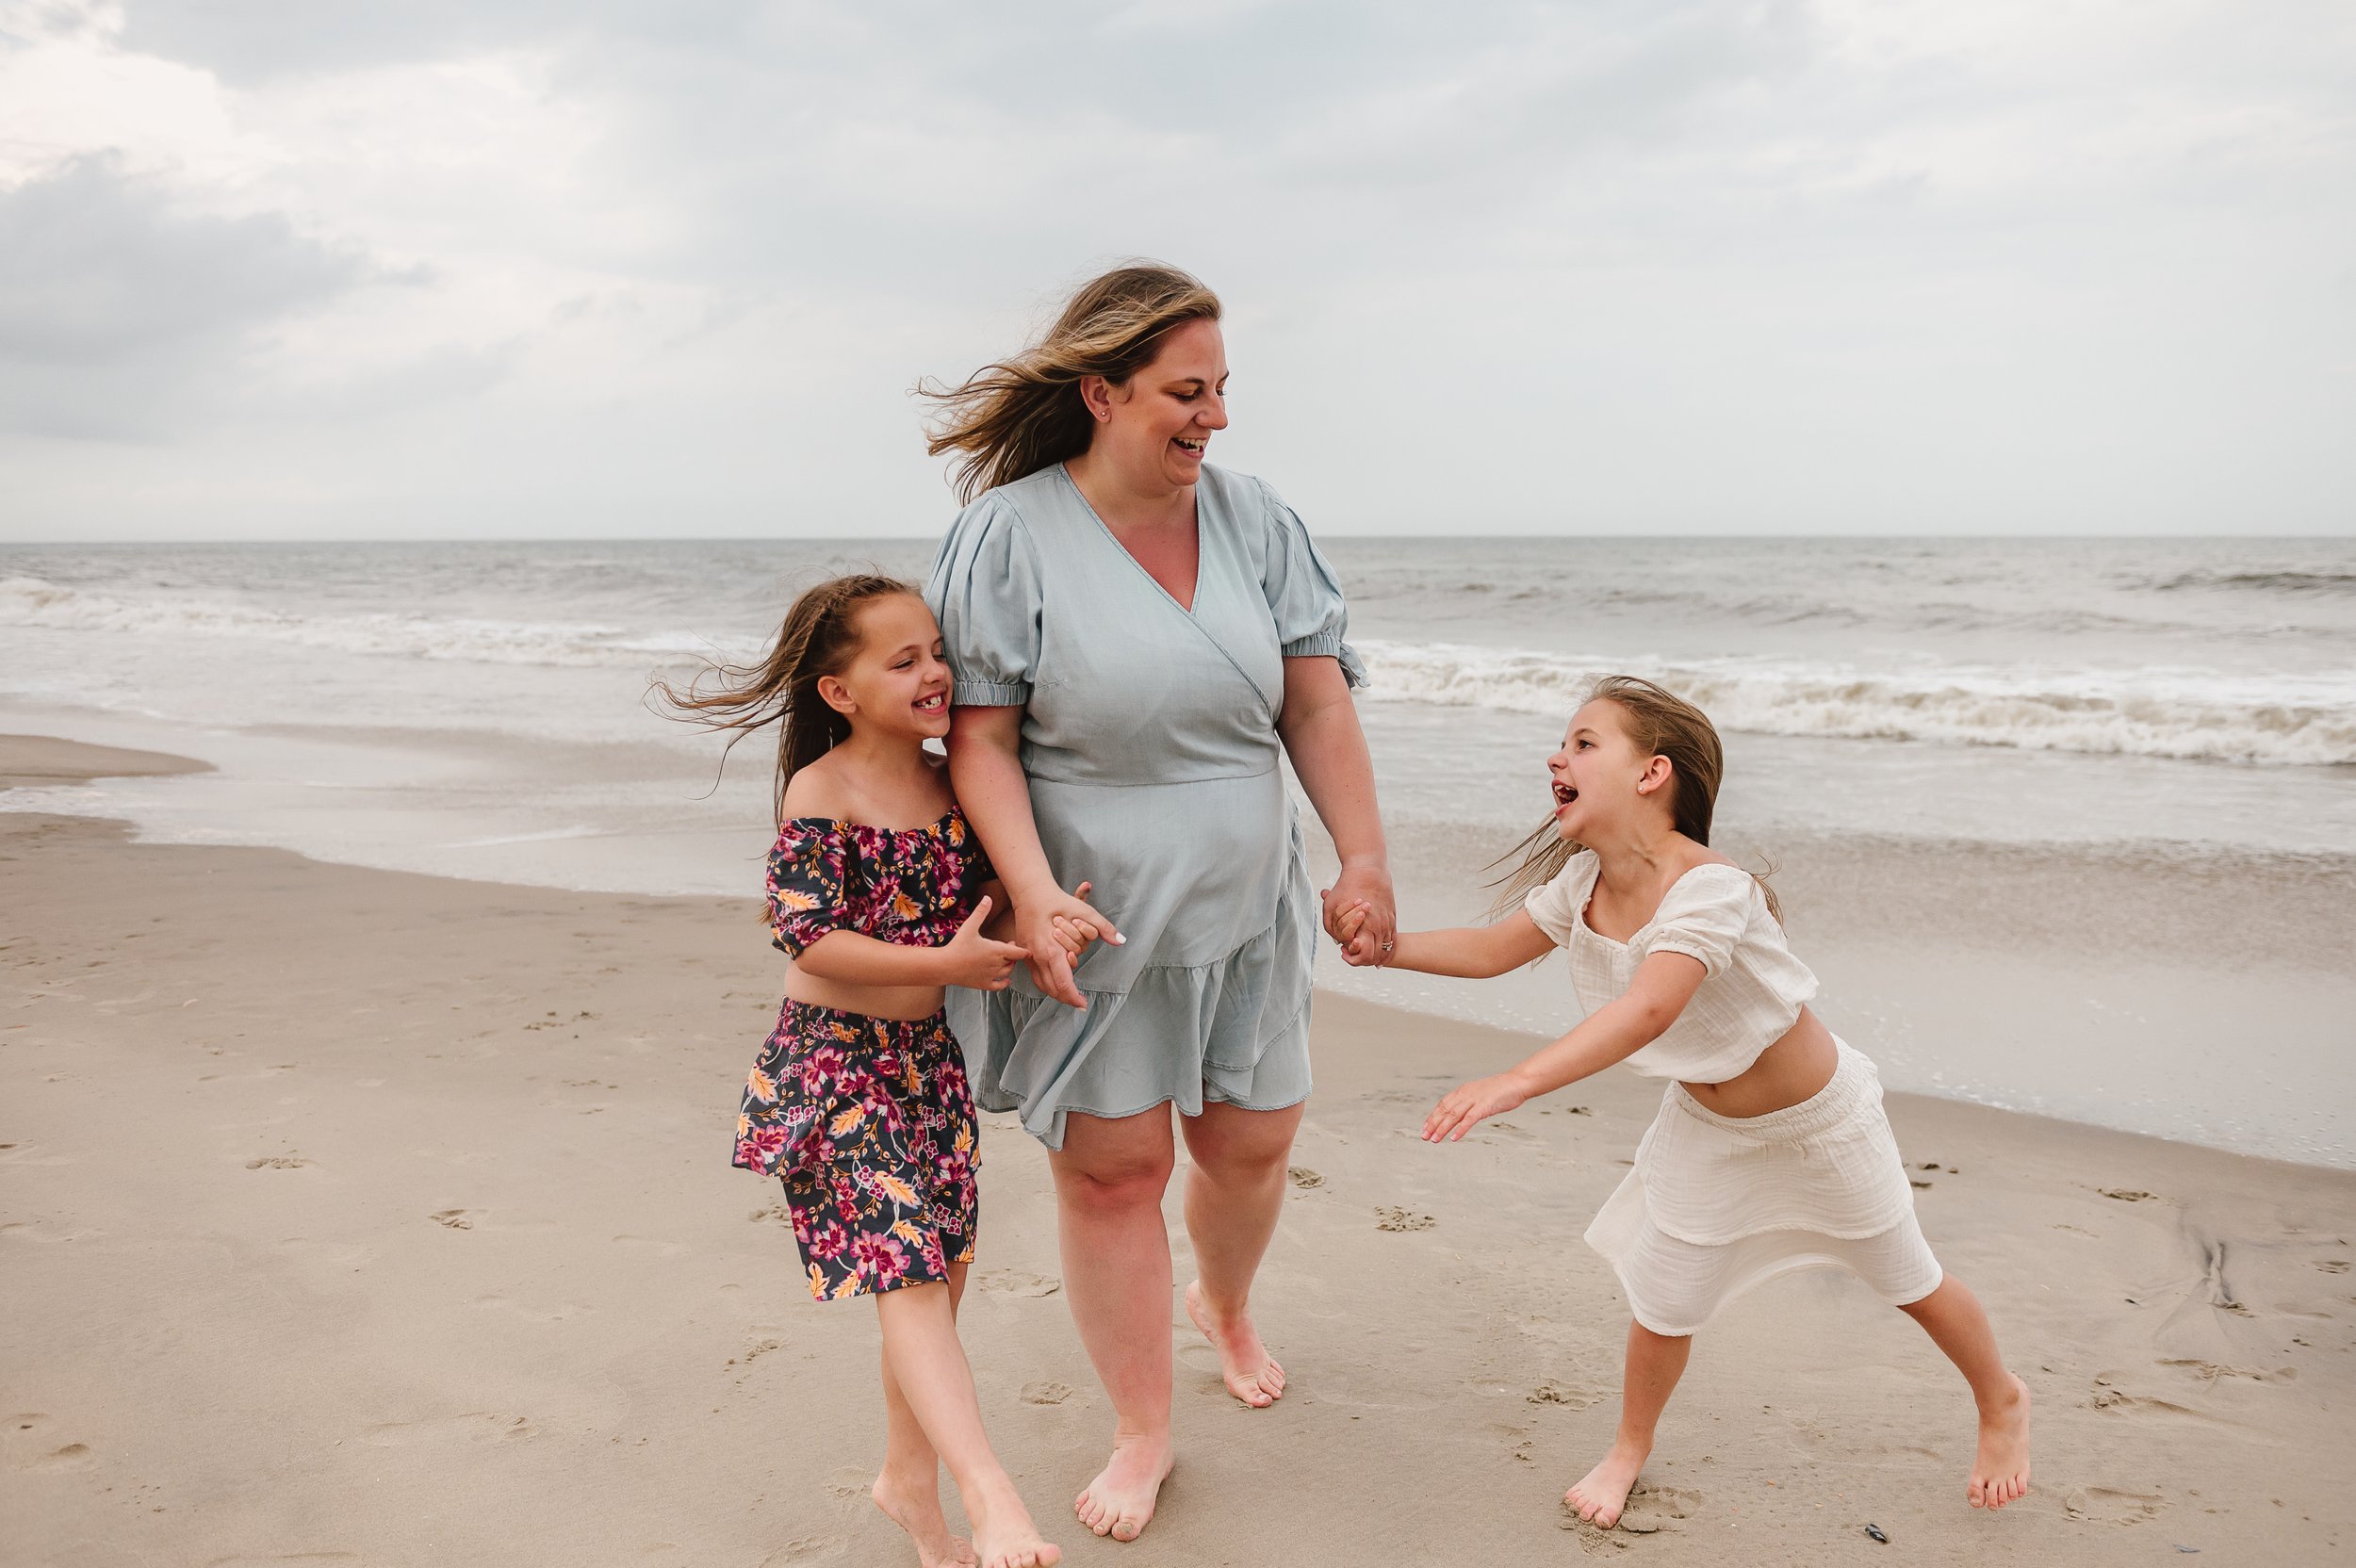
(1234, 1191)
(1952, 1316)
(1655, 1363)
(1110, 1175)
(909, 1490)
(927, 1368)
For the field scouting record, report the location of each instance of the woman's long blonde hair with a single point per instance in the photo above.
(1661, 723)
(1021, 414)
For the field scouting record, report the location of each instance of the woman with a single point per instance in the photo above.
(1135, 635)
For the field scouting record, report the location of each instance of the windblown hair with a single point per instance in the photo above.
(820, 637)
(1021, 414)
(1661, 723)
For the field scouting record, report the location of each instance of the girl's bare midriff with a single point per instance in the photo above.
(1796, 1068)
(900, 1003)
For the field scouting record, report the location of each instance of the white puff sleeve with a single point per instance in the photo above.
(983, 590)
(1703, 917)
(1303, 594)
(1556, 907)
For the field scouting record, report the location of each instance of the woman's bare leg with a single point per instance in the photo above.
(1234, 1191)
(909, 1490)
(1110, 1175)
(1655, 1363)
(1957, 1324)
(928, 1367)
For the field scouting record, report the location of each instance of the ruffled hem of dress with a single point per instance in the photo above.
(1223, 1030)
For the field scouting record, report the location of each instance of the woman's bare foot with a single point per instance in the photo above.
(1999, 1471)
(915, 1506)
(1600, 1495)
(1005, 1536)
(1251, 1373)
(1119, 1501)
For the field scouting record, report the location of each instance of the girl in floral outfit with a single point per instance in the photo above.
(858, 1102)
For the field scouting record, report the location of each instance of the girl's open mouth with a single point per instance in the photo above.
(933, 704)
(1187, 444)
(1564, 794)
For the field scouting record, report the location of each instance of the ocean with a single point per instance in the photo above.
(1944, 744)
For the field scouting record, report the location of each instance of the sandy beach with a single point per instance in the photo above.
(358, 1217)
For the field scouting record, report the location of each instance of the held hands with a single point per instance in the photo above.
(1467, 1105)
(1053, 928)
(976, 961)
(1360, 915)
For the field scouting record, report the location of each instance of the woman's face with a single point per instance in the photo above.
(1155, 427)
(898, 680)
(1598, 775)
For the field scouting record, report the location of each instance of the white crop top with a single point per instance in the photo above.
(1751, 994)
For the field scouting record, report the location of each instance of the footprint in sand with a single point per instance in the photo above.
(1046, 1393)
(2334, 1266)
(474, 1427)
(1394, 1219)
(27, 1231)
(1553, 1391)
(74, 1456)
(1014, 1282)
(1303, 1178)
(278, 1162)
(456, 1219)
(807, 1548)
(2106, 1505)
(2128, 1195)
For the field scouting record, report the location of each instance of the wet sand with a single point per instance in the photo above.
(359, 1216)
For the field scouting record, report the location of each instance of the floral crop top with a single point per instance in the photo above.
(911, 886)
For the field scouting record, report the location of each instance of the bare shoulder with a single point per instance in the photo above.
(818, 790)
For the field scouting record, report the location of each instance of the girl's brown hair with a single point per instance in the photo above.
(820, 637)
(1661, 723)
(1021, 414)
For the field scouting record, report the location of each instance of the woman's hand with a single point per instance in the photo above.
(1467, 1105)
(1365, 891)
(973, 960)
(1047, 925)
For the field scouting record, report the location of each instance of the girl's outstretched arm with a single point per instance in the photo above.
(1470, 952)
(1665, 983)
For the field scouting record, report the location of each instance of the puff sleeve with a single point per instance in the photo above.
(1303, 594)
(983, 590)
(810, 873)
(1556, 907)
(1703, 917)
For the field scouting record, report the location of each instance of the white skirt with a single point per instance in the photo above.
(1717, 1204)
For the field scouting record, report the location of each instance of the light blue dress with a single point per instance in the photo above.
(1149, 737)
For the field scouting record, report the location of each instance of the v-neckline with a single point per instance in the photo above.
(1194, 597)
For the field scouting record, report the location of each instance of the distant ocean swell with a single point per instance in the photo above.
(32, 602)
(2193, 714)
(2281, 719)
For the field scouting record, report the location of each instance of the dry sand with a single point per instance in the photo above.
(358, 1217)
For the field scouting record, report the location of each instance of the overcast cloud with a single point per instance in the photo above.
(568, 267)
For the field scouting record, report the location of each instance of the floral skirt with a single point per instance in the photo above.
(869, 1124)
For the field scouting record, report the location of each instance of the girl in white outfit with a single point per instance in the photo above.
(1771, 1151)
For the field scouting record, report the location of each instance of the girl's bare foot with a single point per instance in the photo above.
(1251, 1373)
(1999, 1471)
(915, 1506)
(1119, 1501)
(1005, 1536)
(1600, 1495)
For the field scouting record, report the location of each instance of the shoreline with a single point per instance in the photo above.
(2088, 984)
(365, 1212)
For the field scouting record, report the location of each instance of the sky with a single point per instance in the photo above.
(442, 268)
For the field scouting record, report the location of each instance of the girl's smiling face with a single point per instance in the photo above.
(899, 679)
(1599, 777)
